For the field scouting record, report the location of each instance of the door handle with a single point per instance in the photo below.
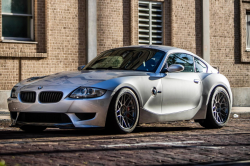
(196, 81)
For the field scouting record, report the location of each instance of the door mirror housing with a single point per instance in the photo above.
(174, 68)
(81, 67)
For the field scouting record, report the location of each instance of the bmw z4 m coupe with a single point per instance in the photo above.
(124, 87)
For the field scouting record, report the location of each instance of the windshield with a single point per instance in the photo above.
(139, 59)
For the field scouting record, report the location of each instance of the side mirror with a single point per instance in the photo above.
(81, 67)
(175, 68)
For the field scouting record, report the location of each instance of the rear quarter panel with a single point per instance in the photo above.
(210, 81)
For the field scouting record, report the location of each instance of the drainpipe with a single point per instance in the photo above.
(205, 31)
(91, 29)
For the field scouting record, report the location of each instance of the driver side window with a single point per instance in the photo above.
(183, 59)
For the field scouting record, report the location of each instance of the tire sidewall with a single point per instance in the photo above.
(216, 91)
(120, 93)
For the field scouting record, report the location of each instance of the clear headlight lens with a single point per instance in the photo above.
(83, 92)
(13, 92)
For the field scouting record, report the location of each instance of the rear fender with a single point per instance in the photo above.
(210, 82)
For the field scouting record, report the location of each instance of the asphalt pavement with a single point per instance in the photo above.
(175, 143)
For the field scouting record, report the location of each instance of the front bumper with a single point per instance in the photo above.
(67, 106)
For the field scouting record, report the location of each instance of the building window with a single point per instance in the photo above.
(248, 30)
(150, 23)
(17, 20)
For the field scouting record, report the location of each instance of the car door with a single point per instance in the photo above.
(181, 91)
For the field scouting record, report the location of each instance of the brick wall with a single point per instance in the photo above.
(110, 24)
(225, 42)
(60, 33)
(9, 72)
(61, 41)
(186, 25)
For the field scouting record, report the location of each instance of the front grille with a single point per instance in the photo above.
(50, 97)
(28, 97)
(44, 117)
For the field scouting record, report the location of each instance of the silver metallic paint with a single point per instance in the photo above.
(175, 68)
(188, 101)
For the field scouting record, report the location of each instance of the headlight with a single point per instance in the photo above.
(83, 92)
(13, 92)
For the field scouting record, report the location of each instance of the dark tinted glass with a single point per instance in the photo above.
(139, 59)
(200, 67)
(182, 59)
(15, 26)
(16, 6)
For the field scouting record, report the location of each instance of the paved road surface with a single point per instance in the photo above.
(158, 144)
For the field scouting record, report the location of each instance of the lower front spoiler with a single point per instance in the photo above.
(51, 125)
(58, 120)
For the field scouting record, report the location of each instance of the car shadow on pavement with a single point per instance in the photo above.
(50, 133)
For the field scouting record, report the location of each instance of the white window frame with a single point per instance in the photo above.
(150, 20)
(31, 25)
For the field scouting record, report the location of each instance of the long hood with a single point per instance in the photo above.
(81, 78)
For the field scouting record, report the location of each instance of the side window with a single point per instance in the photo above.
(200, 67)
(182, 59)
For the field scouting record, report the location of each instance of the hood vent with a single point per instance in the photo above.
(50, 97)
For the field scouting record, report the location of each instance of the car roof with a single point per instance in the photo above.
(170, 50)
(158, 47)
(166, 49)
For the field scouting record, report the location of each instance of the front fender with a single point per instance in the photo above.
(132, 82)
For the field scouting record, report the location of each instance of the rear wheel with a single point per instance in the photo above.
(123, 113)
(33, 129)
(218, 109)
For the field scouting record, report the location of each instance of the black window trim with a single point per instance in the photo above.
(165, 64)
(202, 62)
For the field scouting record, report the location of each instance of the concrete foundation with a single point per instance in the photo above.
(241, 97)
(4, 94)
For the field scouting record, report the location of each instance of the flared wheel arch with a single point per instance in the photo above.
(117, 90)
(211, 95)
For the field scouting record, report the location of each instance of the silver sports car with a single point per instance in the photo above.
(124, 87)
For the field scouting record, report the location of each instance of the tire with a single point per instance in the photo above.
(218, 111)
(33, 129)
(123, 113)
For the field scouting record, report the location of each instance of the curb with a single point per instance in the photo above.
(240, 115)
(240, 112)
(4, 115)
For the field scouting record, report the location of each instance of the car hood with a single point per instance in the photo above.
(81, 78)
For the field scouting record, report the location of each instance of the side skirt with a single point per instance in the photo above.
(150, 117)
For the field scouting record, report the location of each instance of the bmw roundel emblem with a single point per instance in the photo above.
(40, 87)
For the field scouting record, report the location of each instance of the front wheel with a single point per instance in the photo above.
(218, 109)
(123, 112)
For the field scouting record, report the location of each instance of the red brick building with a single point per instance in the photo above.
(41, 37)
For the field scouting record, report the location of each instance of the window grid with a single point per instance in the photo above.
(248, 30)
(31, 24)
(150, 23)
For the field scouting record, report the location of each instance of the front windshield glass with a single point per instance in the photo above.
(139, 59)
